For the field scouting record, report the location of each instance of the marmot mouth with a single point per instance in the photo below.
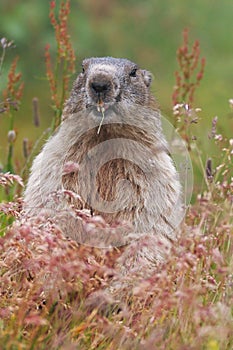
(101, 107)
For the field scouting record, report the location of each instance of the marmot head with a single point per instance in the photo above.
(106, 83)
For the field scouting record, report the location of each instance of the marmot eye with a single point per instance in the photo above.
(133, 72)
(83, 69)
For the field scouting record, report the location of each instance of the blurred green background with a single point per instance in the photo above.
(147, 32)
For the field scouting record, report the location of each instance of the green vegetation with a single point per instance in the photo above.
(53, 292)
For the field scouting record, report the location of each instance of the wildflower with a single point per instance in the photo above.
(15, 87)
(186, 80)
(214, 127)
(8, 179)
(3, 43)
(11, 136)
(218, 137)
(25, 148)
(36, 115)
(65, 58)
(6, 44)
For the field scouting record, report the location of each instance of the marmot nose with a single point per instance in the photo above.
(100, 86)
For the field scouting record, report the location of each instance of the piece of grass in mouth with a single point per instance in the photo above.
(102, 110)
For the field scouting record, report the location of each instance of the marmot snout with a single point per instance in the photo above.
(125, 171)
(110, 81)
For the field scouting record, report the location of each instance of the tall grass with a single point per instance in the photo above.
(54, 293)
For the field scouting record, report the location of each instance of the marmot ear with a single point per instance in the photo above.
(147, 77)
